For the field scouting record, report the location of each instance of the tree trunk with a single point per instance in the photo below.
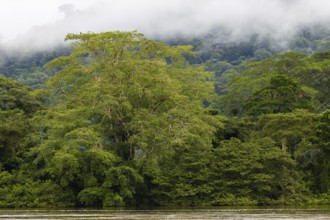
(284, 143)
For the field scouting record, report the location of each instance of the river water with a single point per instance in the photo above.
(212, 213)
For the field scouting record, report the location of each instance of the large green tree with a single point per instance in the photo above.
(120, 101)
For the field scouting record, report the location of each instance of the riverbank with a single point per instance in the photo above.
(301, 212)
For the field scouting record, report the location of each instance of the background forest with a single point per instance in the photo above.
(121, 120)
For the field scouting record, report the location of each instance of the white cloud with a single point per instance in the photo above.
(19, 16)
(41, 23)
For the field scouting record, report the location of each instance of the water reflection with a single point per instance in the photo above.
(218, 213)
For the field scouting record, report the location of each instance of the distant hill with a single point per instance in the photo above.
(215, 49)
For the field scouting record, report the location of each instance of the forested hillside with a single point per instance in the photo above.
(121, 120)
(27, 67)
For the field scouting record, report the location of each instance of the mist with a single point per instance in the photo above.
(233, 20)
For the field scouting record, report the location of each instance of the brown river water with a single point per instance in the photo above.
(313, 213)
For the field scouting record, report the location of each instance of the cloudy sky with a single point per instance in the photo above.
(42, 23)
(18, 16)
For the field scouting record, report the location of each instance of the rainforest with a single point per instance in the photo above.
(118, 119)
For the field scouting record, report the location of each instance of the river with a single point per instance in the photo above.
(205, 213)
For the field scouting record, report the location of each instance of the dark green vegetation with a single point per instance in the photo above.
(126, 121)
(28, 67)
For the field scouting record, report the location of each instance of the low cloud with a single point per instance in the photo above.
(163, 19)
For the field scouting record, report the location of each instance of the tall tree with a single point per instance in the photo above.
(122, 99)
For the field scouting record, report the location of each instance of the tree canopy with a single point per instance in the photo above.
(119, 99)
(127, 121)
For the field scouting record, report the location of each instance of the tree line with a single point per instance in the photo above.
(127, 121)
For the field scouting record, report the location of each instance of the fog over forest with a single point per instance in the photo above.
(233, 20)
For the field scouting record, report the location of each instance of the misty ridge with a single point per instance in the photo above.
(276, 26)
(228, 21)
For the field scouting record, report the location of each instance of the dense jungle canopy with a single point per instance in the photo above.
(122, 120)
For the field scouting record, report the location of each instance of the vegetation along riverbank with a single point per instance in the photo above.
(122, 120)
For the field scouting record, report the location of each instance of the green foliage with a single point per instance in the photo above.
(12, 130)
(117, 94)
(282, 95)
(14, 95)
(17, 104)
(133, 87)
(130, 122)
(27, 67)
(234, 173)
(259, 171)
(273, 85)
(17, 190)
(322, 174)
(288, 130)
